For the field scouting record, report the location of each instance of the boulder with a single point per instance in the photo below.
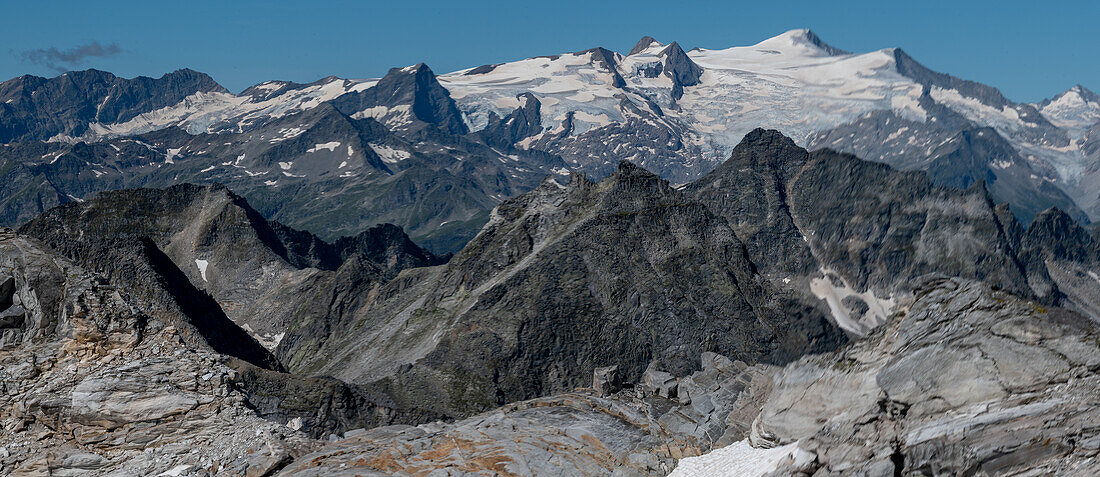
(112, 401)
(606, 380)
(661, 383)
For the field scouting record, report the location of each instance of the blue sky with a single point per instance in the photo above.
(1029, 50)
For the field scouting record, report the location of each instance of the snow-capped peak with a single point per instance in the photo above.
(1084, 93)
(801, 42)
(645, 44)
(1076, 109)
(414, 69)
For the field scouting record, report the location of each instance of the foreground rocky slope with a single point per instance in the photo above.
(94, 385)
(968, 381)
(102, 379)
(638, 431)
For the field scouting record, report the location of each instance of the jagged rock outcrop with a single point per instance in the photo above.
(969, 380)
(643, 44)
(113, 244)
(869, 229)
(1063, 261)
(680, 69)
(524, 122)
(561, 281)
(210, 236)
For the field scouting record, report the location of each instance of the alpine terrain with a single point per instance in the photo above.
(782, 259)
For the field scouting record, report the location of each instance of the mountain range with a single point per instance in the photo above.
(782, 259)
(434, 154)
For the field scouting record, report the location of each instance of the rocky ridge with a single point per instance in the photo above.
(258, 272)
(858, 234)
(337, 168)
(559, 282)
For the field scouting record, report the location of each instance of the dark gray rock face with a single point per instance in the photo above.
(954, 153)
(606, 380)
(750, 191)
(524, 122)
(811, 38)
(35, 108)
(561, 281)
(680, 69)
(641, 45)
(877, 228)
(606, 60)
(320, 407)
(968, 381)
(1062, 259)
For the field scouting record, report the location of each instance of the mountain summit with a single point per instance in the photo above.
(801, 41)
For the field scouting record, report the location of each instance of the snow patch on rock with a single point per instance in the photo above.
(389, 154)
(202, 264)
(735, 460)
(331, 146)
(878, 309)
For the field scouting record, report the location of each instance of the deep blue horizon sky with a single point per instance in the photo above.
(1028, 50)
